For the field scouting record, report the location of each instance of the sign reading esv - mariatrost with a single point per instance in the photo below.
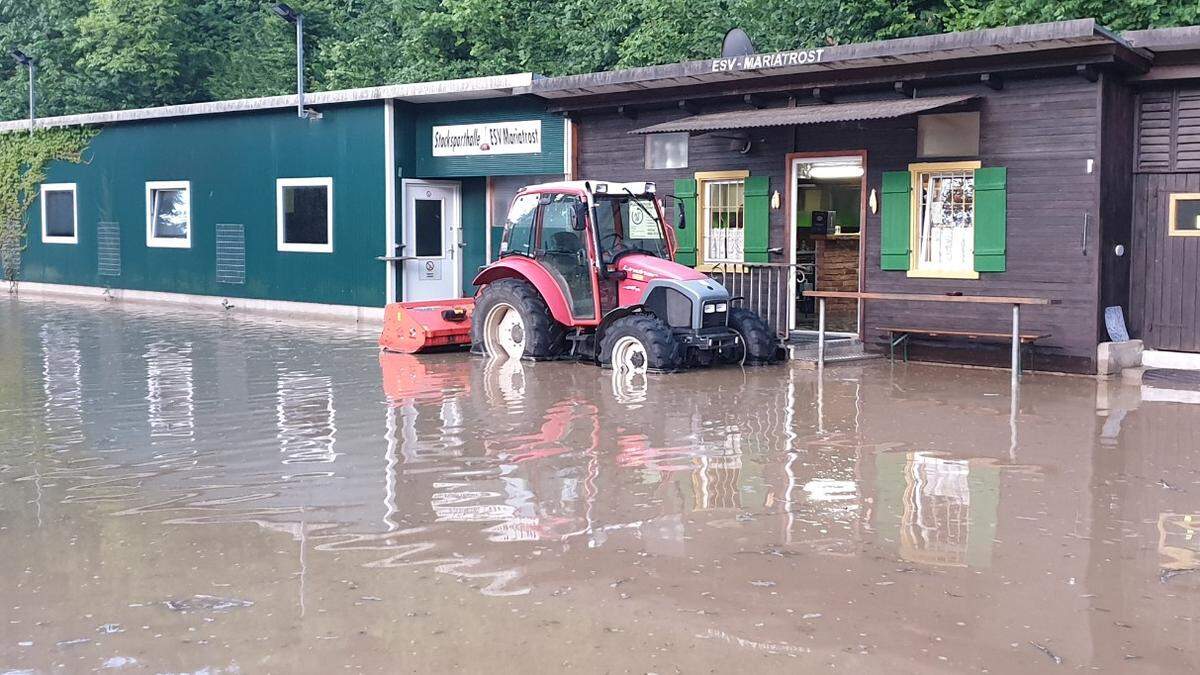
(489, 138)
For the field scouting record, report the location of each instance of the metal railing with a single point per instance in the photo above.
(762, 287)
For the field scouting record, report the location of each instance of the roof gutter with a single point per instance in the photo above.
(441, 90)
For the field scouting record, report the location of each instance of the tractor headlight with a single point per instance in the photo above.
(710, 308)
(722, 306)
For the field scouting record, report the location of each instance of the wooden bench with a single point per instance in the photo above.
(900, 337)
(1018, 338)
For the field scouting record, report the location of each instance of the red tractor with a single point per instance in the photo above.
(586, 272)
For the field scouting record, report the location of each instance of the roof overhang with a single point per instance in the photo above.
(1157, 40)
(915, 51)
(420, 92)
(809, 114)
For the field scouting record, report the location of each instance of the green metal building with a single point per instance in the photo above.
(380, 194)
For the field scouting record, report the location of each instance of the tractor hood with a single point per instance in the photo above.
(641, 267)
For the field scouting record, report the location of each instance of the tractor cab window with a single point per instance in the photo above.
(518, 228)
(563, 251)
(629, 223)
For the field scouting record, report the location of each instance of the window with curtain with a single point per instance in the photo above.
(723, 218)
(945, 219)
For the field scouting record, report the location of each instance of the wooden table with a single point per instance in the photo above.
(1015, 302)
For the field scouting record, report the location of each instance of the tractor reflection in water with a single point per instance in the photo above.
(540, 470)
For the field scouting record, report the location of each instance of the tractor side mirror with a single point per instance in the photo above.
(579, 219)
(680, 216)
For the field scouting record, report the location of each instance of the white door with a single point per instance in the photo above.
(431, 256)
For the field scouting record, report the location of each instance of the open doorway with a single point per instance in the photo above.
(827, 208)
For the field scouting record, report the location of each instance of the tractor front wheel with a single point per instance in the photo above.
(511, 319)
(639, 343)
(755, 345)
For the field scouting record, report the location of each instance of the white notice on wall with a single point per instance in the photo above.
(491, 138)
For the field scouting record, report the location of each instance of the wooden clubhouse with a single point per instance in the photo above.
(1057, 164)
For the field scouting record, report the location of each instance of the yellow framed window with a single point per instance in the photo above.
(943, 218)
(1183, 215)
(721, 207)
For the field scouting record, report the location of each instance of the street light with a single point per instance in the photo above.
(296, 19)
(26, 60)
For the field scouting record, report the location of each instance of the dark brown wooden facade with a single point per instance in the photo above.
(1043, 130)
(1067, 121)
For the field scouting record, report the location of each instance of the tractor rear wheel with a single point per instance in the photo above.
(756, 347)
(639, 343)
(512, 320)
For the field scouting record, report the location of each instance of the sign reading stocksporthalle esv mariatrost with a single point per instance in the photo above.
(488, 138)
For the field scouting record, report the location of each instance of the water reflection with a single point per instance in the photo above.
(305, 418)
(169, 391)
(778, 513)
(62, 385)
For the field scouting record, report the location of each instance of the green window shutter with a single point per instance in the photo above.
(685, 239)
(758, 219)
(991, 214)
(895, 240)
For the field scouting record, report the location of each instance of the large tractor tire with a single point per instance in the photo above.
(757, 345)
(640, 343)
(511, 319)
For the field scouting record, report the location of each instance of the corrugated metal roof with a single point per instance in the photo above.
(418, 92)
(809, 114)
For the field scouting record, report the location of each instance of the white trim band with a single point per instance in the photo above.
(283, 308)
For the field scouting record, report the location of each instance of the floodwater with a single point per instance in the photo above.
(203, 493)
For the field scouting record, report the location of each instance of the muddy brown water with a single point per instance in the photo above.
(195, 492)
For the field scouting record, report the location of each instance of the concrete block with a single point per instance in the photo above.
(1113, 357)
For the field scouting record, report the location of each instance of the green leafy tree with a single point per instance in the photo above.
(141, 52)
(104, 54)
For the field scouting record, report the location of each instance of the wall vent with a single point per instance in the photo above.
(108, 249)
(231, 253)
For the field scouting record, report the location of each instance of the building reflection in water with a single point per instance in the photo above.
(304, 414)
(170, 392)
(947, 507)
(1179, 541)
(62, 385)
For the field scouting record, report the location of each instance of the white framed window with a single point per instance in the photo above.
(944, 214)
(60, 214)
(667, 151)
(304, 208)
(169, 214)
(722, 218)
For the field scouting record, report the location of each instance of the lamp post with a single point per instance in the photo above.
(296, 19)
(27, 61)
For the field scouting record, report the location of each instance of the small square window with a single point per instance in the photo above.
(667, 151)
(1184, 214)
(169, 214)
(305, 214)
(59, 214)
(948, 135)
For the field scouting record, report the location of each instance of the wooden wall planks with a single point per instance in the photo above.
(1042, 129)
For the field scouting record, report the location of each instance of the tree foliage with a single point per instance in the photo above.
(105, 54)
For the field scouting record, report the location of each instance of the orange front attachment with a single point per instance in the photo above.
(411, 327)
